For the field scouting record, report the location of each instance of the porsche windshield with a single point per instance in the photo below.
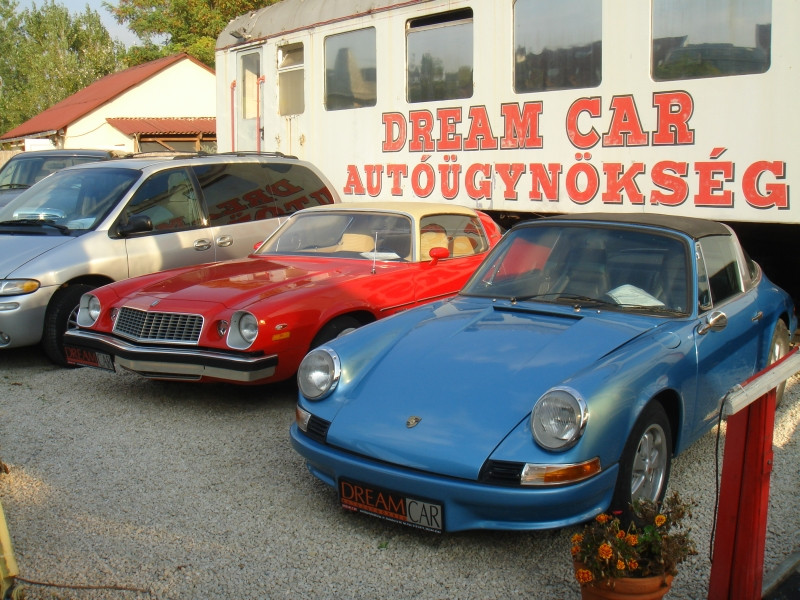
(369, 235)
(72, 199)
(619, 267)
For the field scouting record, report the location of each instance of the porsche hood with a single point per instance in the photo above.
(451, 389)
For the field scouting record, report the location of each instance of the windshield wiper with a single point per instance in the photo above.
(14, 186)
(36, 223)
(556, 296)
(652, 308)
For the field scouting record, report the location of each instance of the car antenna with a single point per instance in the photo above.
(375, 253)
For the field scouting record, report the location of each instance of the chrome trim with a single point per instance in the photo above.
(175, 363)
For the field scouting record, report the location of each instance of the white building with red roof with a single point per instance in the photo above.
(165, 104)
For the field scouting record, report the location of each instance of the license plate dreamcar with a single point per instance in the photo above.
(392, 506)
(89, 358)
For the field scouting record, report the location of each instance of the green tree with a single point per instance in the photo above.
(190, 26)
(49, 54)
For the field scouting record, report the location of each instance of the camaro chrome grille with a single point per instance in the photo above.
(165, 328)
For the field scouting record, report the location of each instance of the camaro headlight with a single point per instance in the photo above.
(558, 419)
(319, 373)
(18, 287)
(243, 330)
(88, 310)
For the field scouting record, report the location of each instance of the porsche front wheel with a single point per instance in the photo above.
(646, 460)
(778, 348)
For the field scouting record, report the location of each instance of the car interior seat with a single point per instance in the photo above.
(585, 274)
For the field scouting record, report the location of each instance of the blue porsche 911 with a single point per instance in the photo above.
(583, 354)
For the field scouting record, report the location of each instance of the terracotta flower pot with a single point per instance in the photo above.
(628, 588)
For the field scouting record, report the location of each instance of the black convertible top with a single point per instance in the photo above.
(693, 227)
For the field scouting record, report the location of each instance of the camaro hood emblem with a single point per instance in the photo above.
(413, 421)
(154, 303)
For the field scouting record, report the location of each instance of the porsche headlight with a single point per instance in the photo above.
(88, 310)
(319, 373)
(558, 419)
(243, 330)
(18, 287)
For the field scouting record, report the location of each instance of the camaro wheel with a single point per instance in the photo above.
(777, 350)
(646, 460)
(334, 329)
(61, 315)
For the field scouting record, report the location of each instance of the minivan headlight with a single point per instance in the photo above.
(319, 373)
(18, 287)
(558, 419)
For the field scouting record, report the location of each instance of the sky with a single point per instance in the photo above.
(118, 32)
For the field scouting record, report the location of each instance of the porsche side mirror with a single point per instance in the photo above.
(716, 321)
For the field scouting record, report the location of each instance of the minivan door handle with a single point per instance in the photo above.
(202, 244)
(224, 241)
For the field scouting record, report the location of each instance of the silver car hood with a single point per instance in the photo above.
(17, 250)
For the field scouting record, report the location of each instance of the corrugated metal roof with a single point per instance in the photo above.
(103, 90)
(165, 126)
(293, 15)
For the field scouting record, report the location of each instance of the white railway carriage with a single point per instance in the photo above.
(529, 107)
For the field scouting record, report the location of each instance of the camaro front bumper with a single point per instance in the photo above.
(179, 363)
(466, 504)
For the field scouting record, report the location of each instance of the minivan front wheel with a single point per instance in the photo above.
(61, 315)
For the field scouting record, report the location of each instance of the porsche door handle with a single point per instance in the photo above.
(224, 241)
(758, 316)
(202, 244)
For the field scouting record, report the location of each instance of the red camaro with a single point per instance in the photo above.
(327, 270)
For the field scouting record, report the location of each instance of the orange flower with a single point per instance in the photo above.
(620, 535)
(603, 518)
(575, 550)
(632, 539)
(660, 520)
(632, 564)
(605, 551)
(620, 565)
(583, 575)
(577, 538)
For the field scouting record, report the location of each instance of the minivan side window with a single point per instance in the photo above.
(170, 201)
(242, 192)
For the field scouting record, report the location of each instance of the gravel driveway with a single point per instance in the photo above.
(156, 490)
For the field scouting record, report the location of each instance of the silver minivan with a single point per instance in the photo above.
(89, 225)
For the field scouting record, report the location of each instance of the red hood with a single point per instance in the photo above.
(238, 283)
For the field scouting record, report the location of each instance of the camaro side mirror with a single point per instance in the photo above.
(438, 253)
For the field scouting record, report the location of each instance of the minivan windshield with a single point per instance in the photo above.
(75, 199)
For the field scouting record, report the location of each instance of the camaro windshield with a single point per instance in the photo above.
(619, 267)
(368, 235)
(75, 199)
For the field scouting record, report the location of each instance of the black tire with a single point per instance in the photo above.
(332, 330)
(778, 348)
(61, 315)
(646, 460)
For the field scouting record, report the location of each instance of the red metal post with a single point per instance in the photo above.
(737, 567)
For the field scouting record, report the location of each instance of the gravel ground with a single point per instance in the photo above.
(154, 490)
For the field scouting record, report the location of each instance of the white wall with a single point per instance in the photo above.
(184, 89)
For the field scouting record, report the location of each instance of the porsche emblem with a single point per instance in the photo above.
(413, 421)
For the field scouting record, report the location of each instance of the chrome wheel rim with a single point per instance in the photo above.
(649, 465)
